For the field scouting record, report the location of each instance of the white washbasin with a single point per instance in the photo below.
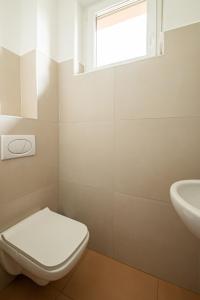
(185, 197)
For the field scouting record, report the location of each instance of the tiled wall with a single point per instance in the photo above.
(9, 76)
(126, 134)
(28, 84)
(28, 184)
(18, 86)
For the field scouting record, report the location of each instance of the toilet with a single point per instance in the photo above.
(44, 247)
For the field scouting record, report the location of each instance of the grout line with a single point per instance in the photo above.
(158, 118)
(115, 260)
(62, 294)
(65, 295)
(130, 119)
(157, 290)
(114, 166)
(61, 123)
(166, 203)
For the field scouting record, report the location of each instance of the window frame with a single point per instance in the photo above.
(154, 30)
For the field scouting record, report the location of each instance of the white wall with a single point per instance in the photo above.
(56, 21)
(78, 38)
(178, 13)
(47, 27)
(59, 23)
(57, 28)
(28, 25)
(18, 25)
(10, 25)
(66, 29)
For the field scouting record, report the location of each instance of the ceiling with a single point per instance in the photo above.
(87, 2)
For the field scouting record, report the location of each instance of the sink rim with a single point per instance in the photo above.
(176, 198)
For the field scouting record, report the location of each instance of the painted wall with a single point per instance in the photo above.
(10, 31)
(125, 137)
(178, 13)
(28, 26)
(47, 27)
(18, 25)
(66, 29)
(32, 20)
(58, 24)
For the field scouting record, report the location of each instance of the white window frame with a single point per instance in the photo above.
(154, 30)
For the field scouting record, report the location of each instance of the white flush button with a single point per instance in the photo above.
(16, 146)
(20, 146)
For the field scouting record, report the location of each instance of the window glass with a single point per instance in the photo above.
(121, 33)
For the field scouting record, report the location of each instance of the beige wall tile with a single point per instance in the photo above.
(152, 154)
(28, 84)
(92, 94)
(18, 208)
(47, 80)
(149, 236)
(10, 95)
(166, 86)
(86, 153)
(93, 207)
(174, 40)
(28, 97)
(26, 175)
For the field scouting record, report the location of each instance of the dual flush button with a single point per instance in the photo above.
(16, 146)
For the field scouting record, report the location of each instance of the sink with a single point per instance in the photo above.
(185, 197)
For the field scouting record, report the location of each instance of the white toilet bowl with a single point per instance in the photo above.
(44, 246)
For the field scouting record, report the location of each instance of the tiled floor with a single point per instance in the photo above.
(97, 277)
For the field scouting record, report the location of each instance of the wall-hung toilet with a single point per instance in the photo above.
(44, 246)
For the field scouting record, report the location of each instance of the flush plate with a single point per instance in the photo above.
(17, 146)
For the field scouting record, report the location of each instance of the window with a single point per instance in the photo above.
(117, 31)
(121, 33)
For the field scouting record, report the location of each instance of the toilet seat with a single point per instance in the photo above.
(45, 244)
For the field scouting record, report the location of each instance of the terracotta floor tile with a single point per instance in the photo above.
(61, 283)
(97, 277)
(63, 297)
(24, 289)
(167, 291)
(101, 278)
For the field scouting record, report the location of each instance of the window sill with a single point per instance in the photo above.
(117, 64)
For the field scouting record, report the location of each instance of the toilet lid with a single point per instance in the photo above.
(46, 237)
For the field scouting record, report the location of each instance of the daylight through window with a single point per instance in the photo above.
(121, 33)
